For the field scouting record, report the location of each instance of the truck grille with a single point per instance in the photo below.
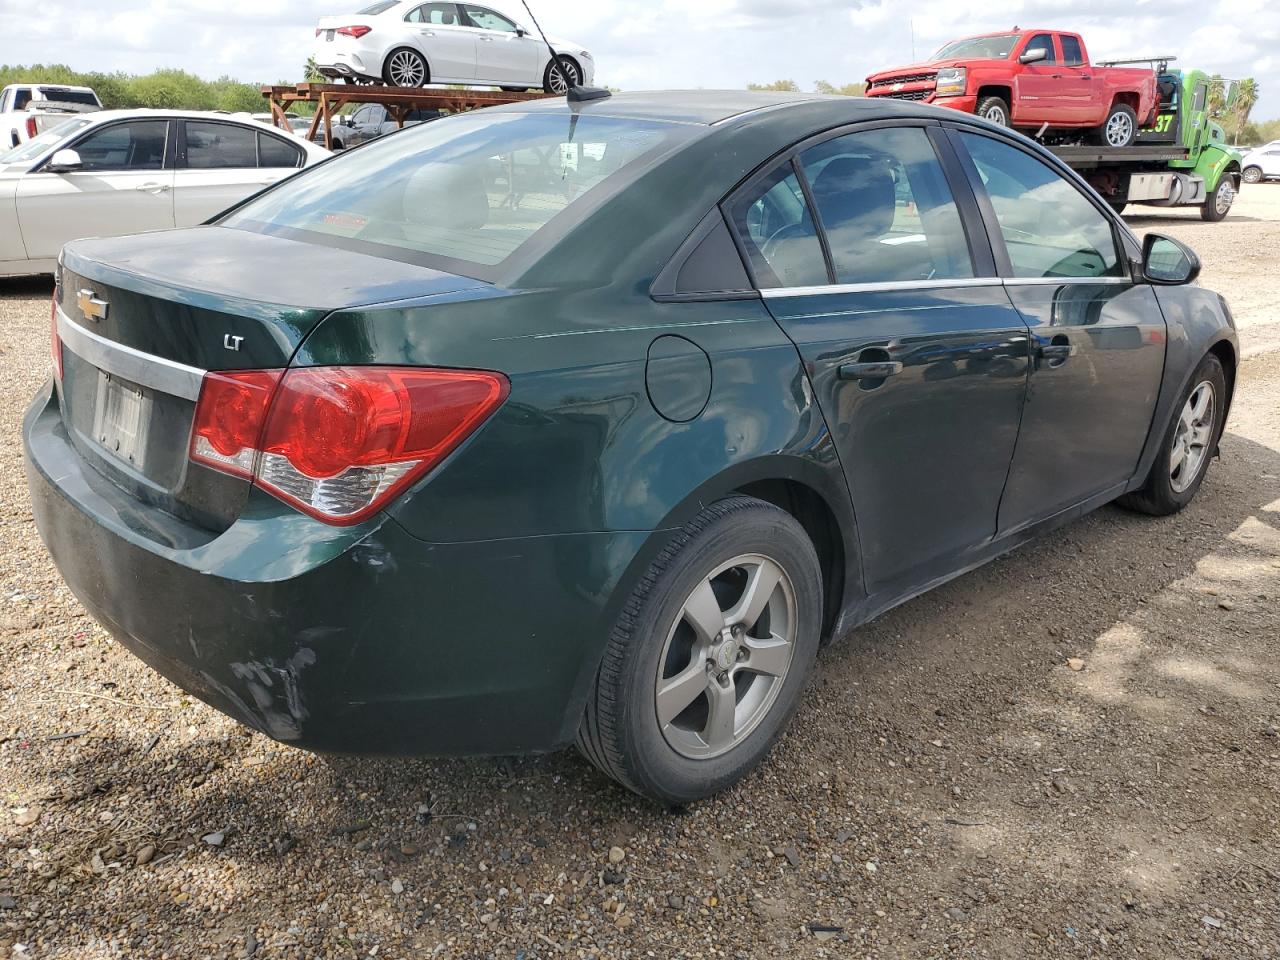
(907, 95)
(911, 78)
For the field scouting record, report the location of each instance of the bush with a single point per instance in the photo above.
(164, 89)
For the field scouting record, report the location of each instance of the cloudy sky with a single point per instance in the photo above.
(658, 43)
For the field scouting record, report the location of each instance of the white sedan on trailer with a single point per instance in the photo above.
(408, 43)
(124, 171)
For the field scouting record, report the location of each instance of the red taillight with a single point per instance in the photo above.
(356, 32)
(55, 341)
(339, 442)
(319, 30)
(31, 126)
(230, 415)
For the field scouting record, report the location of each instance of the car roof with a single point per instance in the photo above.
(711, 107)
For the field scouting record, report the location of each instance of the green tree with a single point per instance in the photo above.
(781, 86)
(845, 90)
(1246, 99)
(1217, 101)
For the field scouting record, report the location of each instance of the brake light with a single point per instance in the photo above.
(339, 443)
(55, 341)
(31, 126)
(356, 32)
(319, 30)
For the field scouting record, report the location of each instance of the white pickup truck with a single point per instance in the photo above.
(28, 109)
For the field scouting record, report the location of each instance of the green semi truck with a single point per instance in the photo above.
(1183, 159)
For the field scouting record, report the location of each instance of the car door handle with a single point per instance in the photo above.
(1058, 352)
(875, 370)
(487, 39)
(156, 188)
(427, 33)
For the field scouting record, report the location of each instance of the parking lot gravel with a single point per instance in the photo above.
(1073, 751)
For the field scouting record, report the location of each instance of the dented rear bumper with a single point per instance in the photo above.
(348, 640)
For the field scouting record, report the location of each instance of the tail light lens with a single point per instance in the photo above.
(31, 126)
(55, 341)
(339, 443)
(357, 31)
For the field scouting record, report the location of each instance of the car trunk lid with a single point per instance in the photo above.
(143, 318)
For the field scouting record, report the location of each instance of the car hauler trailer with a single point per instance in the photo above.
(1182, 160)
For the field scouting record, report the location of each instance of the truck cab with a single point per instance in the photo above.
(27, 109)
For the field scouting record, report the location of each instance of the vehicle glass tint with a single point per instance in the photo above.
(220, 145)
(20, 99)
(885, 208)
(1050, 229)
(377, 8)
(135, 145)
(1042, 41)
(1072, 55)
(84, 97)
(440, 14)
(468, 189)
(39, 144)
(776, 228)
(275, 152)
(486, 19)
(979, 48)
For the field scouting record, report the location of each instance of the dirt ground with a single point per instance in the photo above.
(950, 787)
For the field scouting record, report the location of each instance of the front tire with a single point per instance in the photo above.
(1252, 175)
(994, 109)
(405, 68)
(1120, 128)
(1189, 444)
(1217, 205)
(554, 82)
(708, 658)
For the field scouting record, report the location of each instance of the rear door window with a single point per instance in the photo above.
(276, 152)
(1071, 53)
(885, 208)
(220, 146)
(1049, 227)
(439, 14)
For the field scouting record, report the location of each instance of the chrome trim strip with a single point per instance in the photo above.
(144, 369)
(1062, 281)
(836, 288)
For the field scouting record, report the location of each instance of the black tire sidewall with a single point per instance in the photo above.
(1160, 486)
(1210, 208)
(653, 764)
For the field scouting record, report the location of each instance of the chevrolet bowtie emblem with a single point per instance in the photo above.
(92, 308)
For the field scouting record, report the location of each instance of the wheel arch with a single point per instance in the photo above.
(1003, 91)
(1225, 351)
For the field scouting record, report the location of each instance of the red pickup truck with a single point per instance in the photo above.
(1030, 79)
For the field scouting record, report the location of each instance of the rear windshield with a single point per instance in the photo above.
(36, 146)
(468, 190)
(86, 97)
(979, 48)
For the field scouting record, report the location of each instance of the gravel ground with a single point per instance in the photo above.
(1070, 752)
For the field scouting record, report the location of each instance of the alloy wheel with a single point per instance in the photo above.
(406, 69)
(557, 82)
(1119, 129)
(995, 114)
(726, 657)
(1192, 437)
(1252, 175)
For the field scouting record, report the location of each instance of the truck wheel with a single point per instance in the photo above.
(1121, 127)
(1252, 174)
(1218, 204)
(993, 109)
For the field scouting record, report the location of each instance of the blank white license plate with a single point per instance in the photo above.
(121, 417)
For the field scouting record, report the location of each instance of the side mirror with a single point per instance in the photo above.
(1167, 261)
(521, 32)
(63, 161)
(1034, 55)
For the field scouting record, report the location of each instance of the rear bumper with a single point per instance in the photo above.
(359, 640)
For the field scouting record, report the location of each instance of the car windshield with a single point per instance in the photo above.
(465, 192)
(37, 145)
(979, 48)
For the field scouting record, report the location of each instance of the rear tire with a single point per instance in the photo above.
(553, 82)
(1252, 175)
(405, 68)
(1217, 205)
(1190, 442)
(698, 680)
(1120, 128)
(994, 109)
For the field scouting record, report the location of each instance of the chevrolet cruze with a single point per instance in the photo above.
(592, 421)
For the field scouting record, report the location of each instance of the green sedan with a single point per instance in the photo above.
(590, 422)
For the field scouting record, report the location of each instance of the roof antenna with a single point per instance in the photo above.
(573, 92)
